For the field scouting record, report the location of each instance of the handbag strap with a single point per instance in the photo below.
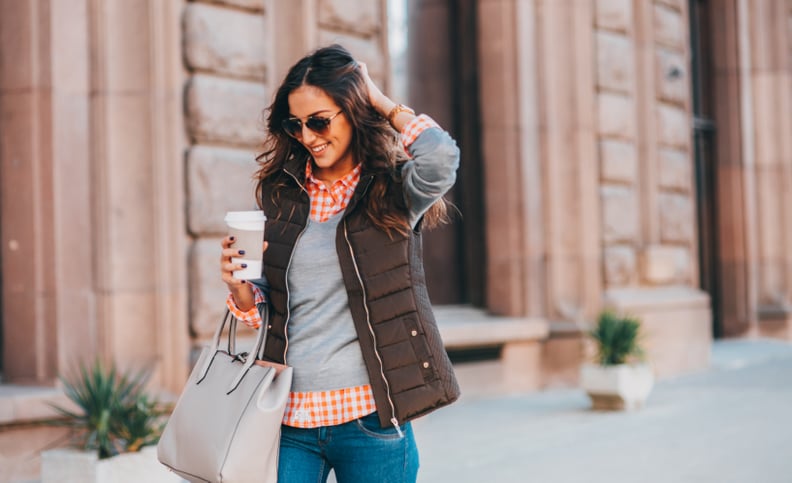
(264, 311)
(231, 341)
(258, 347)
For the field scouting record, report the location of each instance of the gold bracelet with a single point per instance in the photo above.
(396, 110)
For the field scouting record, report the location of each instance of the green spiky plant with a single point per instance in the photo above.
(114, 413)
(143, 424)
(617, 338)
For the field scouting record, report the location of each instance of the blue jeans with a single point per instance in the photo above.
(359, 451)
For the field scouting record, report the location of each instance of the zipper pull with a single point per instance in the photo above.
(395, 423)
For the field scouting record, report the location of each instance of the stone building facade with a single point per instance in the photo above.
(625, 153)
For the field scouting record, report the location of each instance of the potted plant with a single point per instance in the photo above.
(115, 426)
(620, 379)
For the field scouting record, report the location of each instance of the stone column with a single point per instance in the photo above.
(36, 156)
(752, 82)
(92, 219)
(540, 159)
(568, 154)
(510, 133)
(770, 70)
(137, 144)
(735, 172)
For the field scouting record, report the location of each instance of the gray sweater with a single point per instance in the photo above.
(323, 344)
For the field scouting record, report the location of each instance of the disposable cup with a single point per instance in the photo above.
(247, 228)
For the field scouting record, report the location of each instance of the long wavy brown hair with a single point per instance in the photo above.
(374, 143)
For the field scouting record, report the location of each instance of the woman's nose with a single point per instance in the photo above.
(306, 134)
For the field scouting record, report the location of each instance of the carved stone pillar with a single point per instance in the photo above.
(40, 161)
(768, 54)
(92, 207)
(568, 156)
(540, 154)
(137, 143)
(735, 171)
(515, 234)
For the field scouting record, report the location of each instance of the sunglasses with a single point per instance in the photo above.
(320, 125)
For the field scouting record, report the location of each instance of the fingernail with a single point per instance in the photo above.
(241, 252)
(232, 238)
(243, 281)
(244, 265)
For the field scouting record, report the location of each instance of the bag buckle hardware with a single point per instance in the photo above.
(241, 357)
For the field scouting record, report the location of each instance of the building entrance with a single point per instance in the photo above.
(704, 144)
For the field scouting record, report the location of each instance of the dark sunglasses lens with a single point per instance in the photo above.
(293, 127)
(317, 124)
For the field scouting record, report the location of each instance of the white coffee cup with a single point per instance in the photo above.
(247, 228)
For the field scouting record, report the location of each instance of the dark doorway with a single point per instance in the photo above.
(705, 153)
(443, 82)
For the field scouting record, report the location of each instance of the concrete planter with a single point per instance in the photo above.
(620, 387)
(66, 465)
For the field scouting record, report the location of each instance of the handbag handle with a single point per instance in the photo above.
(263, 309)
(258, 348)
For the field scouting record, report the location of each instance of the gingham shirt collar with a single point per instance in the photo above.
(326, 202)
(349, 180)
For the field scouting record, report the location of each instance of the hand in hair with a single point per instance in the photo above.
(380, 101)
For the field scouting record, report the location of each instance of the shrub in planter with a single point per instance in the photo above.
(617, 339)
(114, 417)
(620, 379)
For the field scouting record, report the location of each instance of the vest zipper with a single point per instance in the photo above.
(393, 419)
(286, 275)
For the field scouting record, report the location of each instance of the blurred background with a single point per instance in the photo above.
(632, 154)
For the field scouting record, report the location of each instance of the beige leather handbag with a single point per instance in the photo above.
(226, 425)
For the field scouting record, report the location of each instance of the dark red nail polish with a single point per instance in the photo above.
(241, 252)
(232, 238)
(243, 281)
(244, 265)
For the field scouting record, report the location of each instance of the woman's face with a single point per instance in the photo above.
(330, 148)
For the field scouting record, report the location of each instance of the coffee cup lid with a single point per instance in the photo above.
(233, 216)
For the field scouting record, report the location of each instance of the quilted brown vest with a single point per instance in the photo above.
(407, 364)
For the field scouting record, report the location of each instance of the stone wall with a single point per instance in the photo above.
(646, 161)
(650, 252)
(226, 51)
(361, 28)
(236, 52)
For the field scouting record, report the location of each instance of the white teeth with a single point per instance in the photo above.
(319, 148)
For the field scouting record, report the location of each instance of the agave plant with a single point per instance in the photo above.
(115, 415)
(143, 423)
(617, 338)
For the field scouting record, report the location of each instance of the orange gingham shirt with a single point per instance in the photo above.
(328, 408)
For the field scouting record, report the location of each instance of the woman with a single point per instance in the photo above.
(347, 181)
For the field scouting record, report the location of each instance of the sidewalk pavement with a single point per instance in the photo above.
(731, 423)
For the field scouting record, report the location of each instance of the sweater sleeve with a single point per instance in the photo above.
(431, 171)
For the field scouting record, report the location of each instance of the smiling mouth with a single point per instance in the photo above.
(319, 149)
